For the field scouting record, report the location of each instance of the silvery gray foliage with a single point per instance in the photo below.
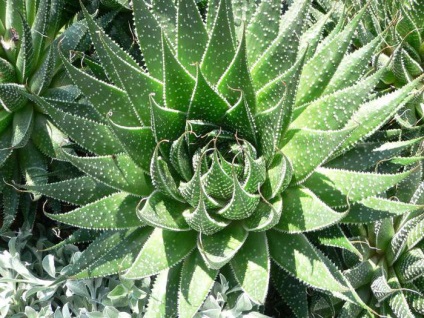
(29, 284)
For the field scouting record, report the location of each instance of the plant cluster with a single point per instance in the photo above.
(275, 145)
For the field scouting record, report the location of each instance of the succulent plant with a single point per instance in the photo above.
(239, 136)
(389, 272)
(29, 36)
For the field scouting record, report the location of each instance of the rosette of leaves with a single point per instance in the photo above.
(29, 36)
(389, 274)
(218, 153)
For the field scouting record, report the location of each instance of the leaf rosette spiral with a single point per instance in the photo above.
(225, 149)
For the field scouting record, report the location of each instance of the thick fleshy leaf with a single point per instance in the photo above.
(237, 78)
(263, 28)
(219, 50)
(304, 211)
(373, 208)
(336, 187)
(162, 178)
(410, 265)
(121, 174)
(206, 103)
(373, 114)
(196, 282)
(113, 212)
(149, 38)
(291, 290)
(191, 35)
(138, 142)
(266, 215)
(251, 267)
(79, 191)
(296, 255)
(163, 299)
(319, 114)
(103, 96)
(218, 249)
(163, 250)
(25, 60)
(239, 118)
(307, 149)
(282, 53)
(118, 258)
(202, 221)
(165, 12)
(11, 98)
(160, 211)
(178, 83)
(242, 203)
(319, 70)
(22, 124)
(167, 124)
(279, 173)
(93, 136)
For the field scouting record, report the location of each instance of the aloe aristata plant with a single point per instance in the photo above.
(389, 272)
(29, 35)
(225, 149)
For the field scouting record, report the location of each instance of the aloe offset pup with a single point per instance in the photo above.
(224, 150)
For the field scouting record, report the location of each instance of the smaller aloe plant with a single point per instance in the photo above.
(227, 150)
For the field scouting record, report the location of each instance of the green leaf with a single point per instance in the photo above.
(304, 211)
(179, 158)
(368, 154)
(10, 197)
(25, 61)
(361, 274)
(196, 282)
(167, 124)
(373, 208)
(237, 78)
(165, 12)
(219, 50)
(96, 250)
(11, 98)
(202, 221)
(266, 215)
(218, 249)
(116, 211)
(149, 38)
(410, 265)
(281, 54)
(22, 126)
(33, 166)
(239, 118)
(39, 28)
(251, 267)
(104, 97)
(299, 258)
(160, 211)
(279, 173)
(206, 103)
(122, 173)
(138, 85)
(118, 258)
(294, 293)
(319, 146)
(178, 83)
(163, 300)
(242, 203)
(78, 236)
(398, 302)
(262, 29)
(336, 187)
(162, 250)
(93, 136)
(333, 236)
(372, 115)
(352, 67)
(319, 70)
(162, 178)
(190, 45)
(319, 114)
(42, 78)
(138, 143)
